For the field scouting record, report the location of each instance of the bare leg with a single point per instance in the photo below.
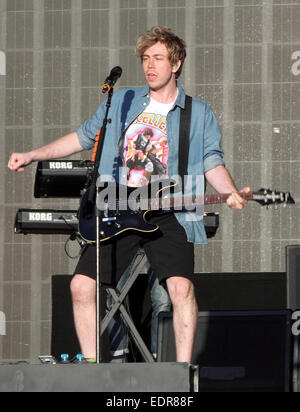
(83, 290)
(185, 313)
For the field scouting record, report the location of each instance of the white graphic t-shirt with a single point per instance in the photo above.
(146, 145)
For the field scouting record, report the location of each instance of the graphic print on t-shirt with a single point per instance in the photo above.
(146, 150)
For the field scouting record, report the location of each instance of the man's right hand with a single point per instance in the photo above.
(18, 161)
(60, 148)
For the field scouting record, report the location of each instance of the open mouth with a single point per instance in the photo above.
(151, 76)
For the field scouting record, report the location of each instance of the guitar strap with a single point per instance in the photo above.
(184, 138)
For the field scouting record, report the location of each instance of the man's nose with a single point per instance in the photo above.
(151, 63)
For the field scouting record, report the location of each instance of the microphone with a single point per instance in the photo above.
(111, 80)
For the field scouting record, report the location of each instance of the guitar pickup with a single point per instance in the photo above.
(109, 219)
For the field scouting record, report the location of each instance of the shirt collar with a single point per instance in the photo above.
(145, 92)
(181, 96)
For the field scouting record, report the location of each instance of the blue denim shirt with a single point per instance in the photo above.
(205, 144)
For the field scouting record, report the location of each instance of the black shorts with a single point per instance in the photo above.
(168, 252)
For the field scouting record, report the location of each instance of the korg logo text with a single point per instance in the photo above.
(296, 65)
(2, 63)
(61, 165)
(2, 324)
(40, 217)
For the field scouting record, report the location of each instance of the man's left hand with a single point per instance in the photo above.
(235, 201)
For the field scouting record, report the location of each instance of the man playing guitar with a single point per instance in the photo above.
(170, 251)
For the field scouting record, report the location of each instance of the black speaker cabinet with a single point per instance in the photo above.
(293, 277)
(240, 351)
(240, 291)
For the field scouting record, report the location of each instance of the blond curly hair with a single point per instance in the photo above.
(176, 46)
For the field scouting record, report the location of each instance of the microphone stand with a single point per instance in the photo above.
(92, 200)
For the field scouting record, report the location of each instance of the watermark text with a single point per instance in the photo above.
(2, 63)
(165, 194)
(296, 324)
(296, 64)
(2, 324)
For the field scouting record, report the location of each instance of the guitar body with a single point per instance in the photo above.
(112, 222)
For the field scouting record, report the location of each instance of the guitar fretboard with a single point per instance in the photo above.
(222, 198)
(188, 202)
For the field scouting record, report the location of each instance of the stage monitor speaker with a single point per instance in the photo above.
(244, 351)
(293, 277)
(240, 291)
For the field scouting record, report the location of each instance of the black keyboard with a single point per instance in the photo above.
(65, 222)
(62, 179)
(43, 222)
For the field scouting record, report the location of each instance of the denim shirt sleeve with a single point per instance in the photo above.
(213, 152)
(87, 131)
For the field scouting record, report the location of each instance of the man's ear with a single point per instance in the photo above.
(176, 66)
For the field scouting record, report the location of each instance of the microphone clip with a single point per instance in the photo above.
(111, 80)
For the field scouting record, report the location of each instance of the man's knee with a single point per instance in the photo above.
(180, 289)
(82, 288)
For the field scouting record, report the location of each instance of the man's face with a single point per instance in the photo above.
(158, 70)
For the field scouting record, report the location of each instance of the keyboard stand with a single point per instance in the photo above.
(140, 261)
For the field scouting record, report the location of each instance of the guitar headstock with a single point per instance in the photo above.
(268, 197)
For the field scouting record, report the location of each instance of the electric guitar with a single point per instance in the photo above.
(128, 209)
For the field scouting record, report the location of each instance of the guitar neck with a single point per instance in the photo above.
(222, 198)
(177, 202)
